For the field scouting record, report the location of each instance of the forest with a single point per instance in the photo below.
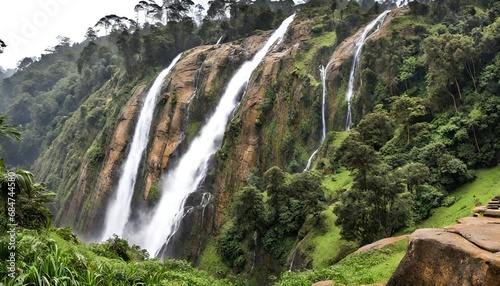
(425, 128)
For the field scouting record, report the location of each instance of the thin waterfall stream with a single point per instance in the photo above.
(185, 178)
(322, 71)
(118, 210)
(357, 55)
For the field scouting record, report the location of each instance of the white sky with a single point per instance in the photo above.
(28, 27)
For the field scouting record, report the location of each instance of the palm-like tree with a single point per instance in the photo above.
(29, 198)
(8, 130)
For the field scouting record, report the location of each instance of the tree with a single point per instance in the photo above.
(358, 157)
(217, 10)
(307, 189)
(2, 46)
(376, 129)
(30, 198)
(447, 55)
(176, 10)
(367, 211)
(249, 209)
(274, 181)
(8, 130)
(414, 175)
(24, 63)
(404, 109)
(90, 35)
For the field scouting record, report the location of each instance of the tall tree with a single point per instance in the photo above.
(2, 46)
(404, 109)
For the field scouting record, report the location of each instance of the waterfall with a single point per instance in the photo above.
(205, 200)
(293, 260)
(357, 53)
(220, 40)
(191, 169)
(322, 72)
(118, 209)
(255, 236)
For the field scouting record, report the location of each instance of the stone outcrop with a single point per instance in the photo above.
(463, 254)
(381, 243)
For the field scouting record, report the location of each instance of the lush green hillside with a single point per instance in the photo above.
(422, 152)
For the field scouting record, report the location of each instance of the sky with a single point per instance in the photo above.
(28, 27)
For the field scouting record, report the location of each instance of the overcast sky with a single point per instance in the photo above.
(28, 27)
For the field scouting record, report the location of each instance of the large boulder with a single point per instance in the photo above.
(463, 254)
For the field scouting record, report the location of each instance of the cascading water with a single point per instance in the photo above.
(359, 45)
(220, 40)
(192, 167)
(255, 236)
(205, 200)
(322, 72)
(118, 209)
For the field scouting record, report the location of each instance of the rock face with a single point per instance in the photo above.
(381, 243)
(463, 254)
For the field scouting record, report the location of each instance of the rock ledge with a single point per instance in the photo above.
(463, 254)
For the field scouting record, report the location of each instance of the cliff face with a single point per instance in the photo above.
(278, 123)
(90, 166)
(463, 254)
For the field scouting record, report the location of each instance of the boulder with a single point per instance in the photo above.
(464, 254)
(381, 243)
(323, 283)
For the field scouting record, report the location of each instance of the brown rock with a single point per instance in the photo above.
(381, 243)
(478, 220)
(440, 257)
(484, 236)
(492, 213)
(323, 283)
(480, 209)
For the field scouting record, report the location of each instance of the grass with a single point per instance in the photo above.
(362, 268)
(304, 59)
(326, 241)
(211, 261)
(481, 190)
(46, 256)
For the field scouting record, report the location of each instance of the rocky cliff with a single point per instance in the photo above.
(463, 254)
(278, 123)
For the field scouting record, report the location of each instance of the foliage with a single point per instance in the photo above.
(49, 260)
(357, 269)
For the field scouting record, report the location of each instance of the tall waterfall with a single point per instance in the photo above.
(118, 209)
(322, 72)
(359, 45)
(184, 179)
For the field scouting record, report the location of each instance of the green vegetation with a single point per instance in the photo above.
(55, 257)
(428, 127)
(461, 201)
(363, 268)
(426, 114)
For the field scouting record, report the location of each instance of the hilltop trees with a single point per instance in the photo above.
(2, 46)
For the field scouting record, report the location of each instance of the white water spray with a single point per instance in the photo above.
(118, 209)
(220, 39)
(359, 45)
(192, 168)
(322, 72)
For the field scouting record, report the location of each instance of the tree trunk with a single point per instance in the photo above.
(458, 87)
(475, 138)
(408, 130)
(454, 101)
